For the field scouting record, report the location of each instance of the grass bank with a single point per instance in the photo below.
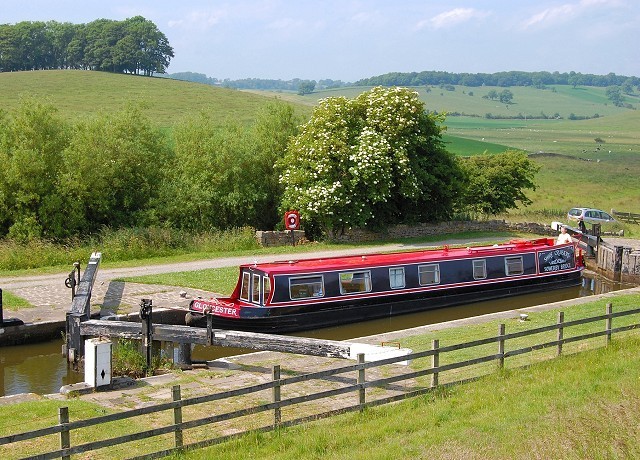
(576, 407)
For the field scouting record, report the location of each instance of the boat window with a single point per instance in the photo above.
(244, 289)
(396, 277)
(514, 266)
(479, 269)
(429, 274)
(308, 286)
(255, 292)
(354, 282)
(266, 290)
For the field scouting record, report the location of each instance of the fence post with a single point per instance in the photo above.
(609, 322)
(361, 380)
(501, 346)
(65, 439)
(277, 411)
(435, 362)
(177, 415)
(560, 331)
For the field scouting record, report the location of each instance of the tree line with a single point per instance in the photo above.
(502, 79)
(370, 162)
(134, 45)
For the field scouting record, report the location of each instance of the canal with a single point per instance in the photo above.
(41, 368)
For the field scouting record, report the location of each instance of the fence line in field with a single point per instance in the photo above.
(359, 385)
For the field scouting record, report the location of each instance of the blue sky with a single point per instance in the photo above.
(352, 39)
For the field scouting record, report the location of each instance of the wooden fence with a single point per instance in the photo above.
(270, 405)
(629, 217)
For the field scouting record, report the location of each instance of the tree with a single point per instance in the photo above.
(614, 94)
(31, 146)
(495, 183)
(372, 161)
(114, 167)
(506, 96)
(224, 176)
(306, 87)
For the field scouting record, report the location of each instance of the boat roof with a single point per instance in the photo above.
(363, 261)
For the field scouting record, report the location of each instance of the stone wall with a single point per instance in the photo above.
(444, 228)
(267, 239)
(411, 231)
(619, 262)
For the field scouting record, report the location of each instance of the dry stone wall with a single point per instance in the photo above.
(411, 231)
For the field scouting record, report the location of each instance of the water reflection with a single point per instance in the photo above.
(40, 368)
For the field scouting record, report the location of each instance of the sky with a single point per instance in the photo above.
(353, 39)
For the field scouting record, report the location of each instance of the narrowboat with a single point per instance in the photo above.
(295, 295)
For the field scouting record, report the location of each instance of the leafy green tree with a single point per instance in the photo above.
(614, 94)
(114, 167)
(496, 183)
(31, 146)
(506, 96)
(374, 160)
(224, 177)
(306, 87)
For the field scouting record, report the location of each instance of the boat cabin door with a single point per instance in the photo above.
(259, 287)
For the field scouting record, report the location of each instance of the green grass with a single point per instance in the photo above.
(12, 302)
(578, 406)
(220, 280)
(79, 94)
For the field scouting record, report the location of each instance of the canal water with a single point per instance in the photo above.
(41, 368)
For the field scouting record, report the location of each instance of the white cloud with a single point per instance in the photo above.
(567, 11)
(201, 20)
(452, 18)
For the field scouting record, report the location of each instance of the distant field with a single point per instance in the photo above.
(79, 94)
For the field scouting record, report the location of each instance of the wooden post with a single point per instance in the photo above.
(501, 346)
(146, 312)
(361, 380)
(560, 331)
(277, 411)
(177, 416)
(209, 329)
(65, 438)
(609, 322)
(435, 362)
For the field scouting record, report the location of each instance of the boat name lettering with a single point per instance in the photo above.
(217, 309)
(560, 253)
(555, 268)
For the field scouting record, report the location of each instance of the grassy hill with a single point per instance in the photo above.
(79, 94)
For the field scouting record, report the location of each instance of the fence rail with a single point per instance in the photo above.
(358, 385)
(629, 217)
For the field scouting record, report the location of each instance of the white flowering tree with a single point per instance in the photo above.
(371, 161)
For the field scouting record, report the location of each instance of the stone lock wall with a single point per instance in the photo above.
(619, 262)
